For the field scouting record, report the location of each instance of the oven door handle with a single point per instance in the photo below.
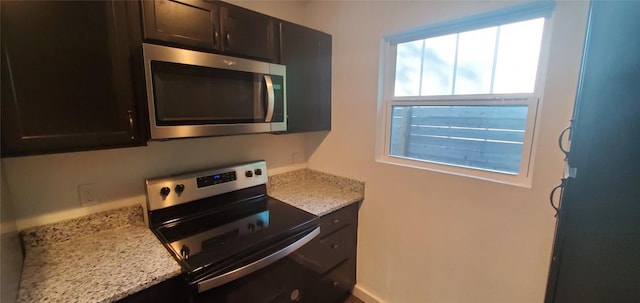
(257, 265)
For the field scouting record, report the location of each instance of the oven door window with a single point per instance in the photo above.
(188, 95)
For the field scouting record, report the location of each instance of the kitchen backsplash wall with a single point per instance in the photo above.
(49, 183)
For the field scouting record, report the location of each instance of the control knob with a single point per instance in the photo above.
(185, 251)
(165, 191)
(258, 172)
(179, 188)
(251, 227)
(249, 174)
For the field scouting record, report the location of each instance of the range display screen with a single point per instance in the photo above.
(216, 179)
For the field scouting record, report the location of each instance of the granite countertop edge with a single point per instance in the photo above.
(316, 192)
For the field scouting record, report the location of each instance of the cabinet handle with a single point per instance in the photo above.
(227, 38)
(336, 221)
(553, 193)
(216, 36)
(334, 246)
(130, 114)
(335, 283)
(562, 133)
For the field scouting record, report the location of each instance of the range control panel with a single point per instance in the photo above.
(178, 189)
(216, 179)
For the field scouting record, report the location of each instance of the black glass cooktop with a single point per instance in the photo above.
(227, 236)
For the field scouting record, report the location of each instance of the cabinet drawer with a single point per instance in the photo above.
(340, 281)
(338, 219)
(324, 254)
(335, 286)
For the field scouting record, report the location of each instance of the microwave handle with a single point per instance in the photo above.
(270, 98)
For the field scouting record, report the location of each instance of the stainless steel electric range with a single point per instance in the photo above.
(232, 240)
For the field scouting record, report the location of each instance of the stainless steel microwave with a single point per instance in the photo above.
(197, 94)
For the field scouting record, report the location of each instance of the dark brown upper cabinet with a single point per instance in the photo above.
(307, 54)
(247, 33)
(186, 22)
(211, 26)
(67, 76)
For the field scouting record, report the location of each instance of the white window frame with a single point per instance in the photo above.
(533, 100)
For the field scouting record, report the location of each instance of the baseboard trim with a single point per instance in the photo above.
(366, 295)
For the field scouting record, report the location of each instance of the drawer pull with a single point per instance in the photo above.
(336, 221)
(335, 283)
(334, 246)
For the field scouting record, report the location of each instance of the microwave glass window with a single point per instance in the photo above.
(186, 94)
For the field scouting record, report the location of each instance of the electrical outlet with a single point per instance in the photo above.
(88, 194)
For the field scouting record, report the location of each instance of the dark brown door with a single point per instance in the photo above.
(596, 255)
(307, 55)
(66, 76)
(248, 34)
(185, 22)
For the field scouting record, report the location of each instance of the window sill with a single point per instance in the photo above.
(496, 177)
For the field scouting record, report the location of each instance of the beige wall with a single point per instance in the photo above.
(427, 236)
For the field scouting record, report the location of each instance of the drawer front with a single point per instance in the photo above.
(338, 219)
(336, 285)
(323, 255)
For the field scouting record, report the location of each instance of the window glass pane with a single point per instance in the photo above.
(486, 137)
(439, 60)
(518, 52)
(408, 62)
(475, 61)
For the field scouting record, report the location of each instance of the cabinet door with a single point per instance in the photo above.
(307, 55)
(596, 255)
(185, 22)
(66, 76)
(248, 34)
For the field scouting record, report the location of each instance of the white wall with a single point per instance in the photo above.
(48, 184)
(427, 236)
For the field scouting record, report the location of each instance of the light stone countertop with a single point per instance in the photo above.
(98, 258)
(315, 192)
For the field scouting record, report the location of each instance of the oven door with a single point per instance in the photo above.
(269, 276)
(193, 94)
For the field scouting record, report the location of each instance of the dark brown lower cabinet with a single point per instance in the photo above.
(332, 255)
(169, 291)
(67, 81)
